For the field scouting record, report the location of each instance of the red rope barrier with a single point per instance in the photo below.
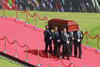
(91, 36)
(57, 59)
(14, 42)
(86, 33)
(97, 41)
(10, 42)
(2, 38)
(21, 45)
(63, 63)
(16, 13)
(23, 11)
(31, 15)
(34, 15)
(41, 54)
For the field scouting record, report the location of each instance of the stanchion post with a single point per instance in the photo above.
(98, 46)
(48, 59)
(17, 15)
(71, 64)
(26, 18)
(87, 40)
(45, 22)
(4, 15)
(26, 54)
(5, 46)
(16, 54)
(35, 21)
(60, 59)
(38, 59)
(84, 65)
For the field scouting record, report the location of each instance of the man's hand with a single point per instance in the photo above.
(78, 40)
(50, 38)
(58, 41)
(81, 35)
(67, 42)
(73, 38)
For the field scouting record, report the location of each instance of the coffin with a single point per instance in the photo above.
(70, 25)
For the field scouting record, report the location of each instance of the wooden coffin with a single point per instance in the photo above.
(70, 25)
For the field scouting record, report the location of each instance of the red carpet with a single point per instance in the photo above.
(26, 34)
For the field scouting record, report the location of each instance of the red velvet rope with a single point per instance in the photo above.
(2, 38)
(57, 59)
(63, 63)
(14, 42)
(41, 54)
(91, 36)
(31, 15)
(34, 15)
(53, 59)
(86, 33)
(23, 11)
(10, 42)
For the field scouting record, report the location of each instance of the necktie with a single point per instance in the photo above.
(66, 35)
(78, 34)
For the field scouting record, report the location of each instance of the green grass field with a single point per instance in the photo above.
(89, 21)
(8, 63)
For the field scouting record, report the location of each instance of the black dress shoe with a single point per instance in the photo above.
(68, 59)
(62, 57)
(75, 56)
(80, 57)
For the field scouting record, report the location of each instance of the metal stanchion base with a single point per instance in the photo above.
(26, 23)
(5, 51)
(60, 57)
(87, 46)
(4, 16)
(98, 50)
(27, 60)
(17, 19)
(16, 55)
(38, 65)
(84, 65)
(35, 27)
(1, 16)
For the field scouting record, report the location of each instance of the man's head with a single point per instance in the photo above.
(65, 30)
(56, 29)
(47, 27)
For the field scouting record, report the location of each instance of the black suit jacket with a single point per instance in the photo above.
(56, 37)
(76, 36)
(64, 39)
(47, 35)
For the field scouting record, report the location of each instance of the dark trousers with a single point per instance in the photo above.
(71, 46)
(57, 49)
(48, 45)
(66, 50)
(77, 48)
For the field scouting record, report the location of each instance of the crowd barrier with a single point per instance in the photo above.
(35, 15)
(97, 37)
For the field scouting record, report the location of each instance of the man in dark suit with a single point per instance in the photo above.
(48, 39)
(57, 42)
(66, 44)
(78, 36)
(71, 35)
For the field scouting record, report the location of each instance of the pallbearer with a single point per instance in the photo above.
(71, 36)
(57, 42)
(78, 36)
(48, 39)
(66, 44)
